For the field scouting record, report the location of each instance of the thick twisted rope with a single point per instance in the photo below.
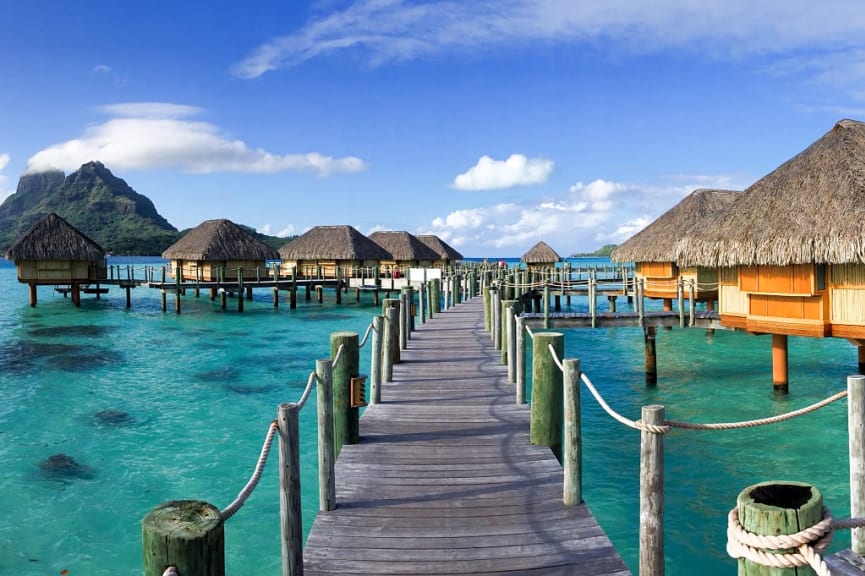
(555, 356)
(365, 336)
(804, 548)
(336, 358)
(232, 508)
(308, 389)
(635, 424)
(759, 421)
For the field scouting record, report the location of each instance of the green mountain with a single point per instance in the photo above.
(96, 202)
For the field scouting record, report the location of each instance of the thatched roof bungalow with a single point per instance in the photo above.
(406, 251)
(540, 256)
(791, 251)
(447, 255)
(216, 245)
(653, 250)
(53, 252)
(320, 251)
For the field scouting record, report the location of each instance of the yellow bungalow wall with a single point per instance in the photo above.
(59, 271)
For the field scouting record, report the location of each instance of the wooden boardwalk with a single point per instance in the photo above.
(444, 479)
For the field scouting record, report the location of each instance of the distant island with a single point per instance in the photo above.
(603, 251)
(101, 205)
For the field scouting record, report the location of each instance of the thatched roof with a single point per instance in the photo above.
(53, 238)
(333, 243)
(811, 209)
(403, 246)
(442, 248)
(659, 241)
(221, 239)
(540, 253)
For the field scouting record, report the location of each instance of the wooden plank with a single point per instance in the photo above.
(445, 480)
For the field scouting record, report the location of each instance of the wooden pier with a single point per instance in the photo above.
(444, 479)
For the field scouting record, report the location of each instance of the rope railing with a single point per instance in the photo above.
(529, 332)
(306, 391)
(365, 336)
(338, 356)
(244, 494)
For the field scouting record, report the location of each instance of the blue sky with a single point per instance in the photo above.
(492, 123)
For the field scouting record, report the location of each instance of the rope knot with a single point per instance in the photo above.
(653, 428)
(804, 548)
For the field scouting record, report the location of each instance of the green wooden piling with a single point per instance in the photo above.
(777, 508)
(486, 295)
(186, 534)
(547, 399)
(504, 327)
(345, 418)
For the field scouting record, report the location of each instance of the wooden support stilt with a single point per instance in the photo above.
(345, 418)
(780, 379)
(32, 295)
(861, 354)
(651, 358)
(612, 301)
(128, 297)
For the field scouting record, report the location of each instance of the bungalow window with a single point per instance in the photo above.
(820, 277)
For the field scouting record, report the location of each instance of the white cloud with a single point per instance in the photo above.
(517, 170)
(5, 191)
(582, 219)
(151, 135)
(287, 231)
(384, 31)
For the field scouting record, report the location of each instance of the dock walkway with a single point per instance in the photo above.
(445, 480)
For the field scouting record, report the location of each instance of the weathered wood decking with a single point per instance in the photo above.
(445, 481)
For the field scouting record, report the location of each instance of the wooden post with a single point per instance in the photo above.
(387, 344)
(692, 303)
(32, 295)
(652, 494)
(240, 289)
(186, 534)
(780, 381)
(292, 293)
(860, 353)
(326, 455)
(345, 418)
(177, 281)
(289, 490)
(486, 296)
(375, 366)
(573, 452)
(546, 405)
(421, 302)
(338, 285)
(612, 301)
(546, 306)
(393, 304)
(503, 316)
(777, 508)
(856, 439)
(651, 357)
(496, 320)
(520, 347)
(593, 299)
(403, 320)
(275, 297)
(510, 333)
(680, 293)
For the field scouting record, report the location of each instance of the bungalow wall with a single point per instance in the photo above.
(777, 299)
(660, 279)
(847, 295)
(60, 271)
(327, 268)
(208, 271)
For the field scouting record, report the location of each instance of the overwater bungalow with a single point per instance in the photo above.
(217, 247)
(447, 255)
(331, 252)
(653, 250)
(540, 257)
(406, 251)
(791, 250)
(55, 253)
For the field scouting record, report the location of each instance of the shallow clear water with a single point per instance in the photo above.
(199, 390)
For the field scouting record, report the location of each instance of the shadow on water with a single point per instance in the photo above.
(84, 361)
(64, 468)
(74, 331)
(112, 417)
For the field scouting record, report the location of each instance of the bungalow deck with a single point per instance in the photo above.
(445, 480)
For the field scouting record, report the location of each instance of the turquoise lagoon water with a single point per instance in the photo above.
(200, 388)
